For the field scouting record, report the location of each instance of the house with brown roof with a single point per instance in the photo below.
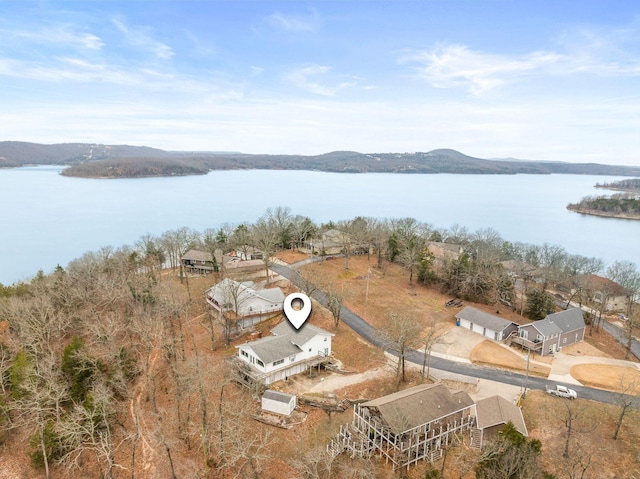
(196, 261)
(419, 422)
(408, 426)
(591, 288)
(493, 413)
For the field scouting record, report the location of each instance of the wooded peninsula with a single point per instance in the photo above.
(622, 205)
(122, 161)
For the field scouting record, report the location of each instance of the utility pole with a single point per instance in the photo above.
(366, 297)
(526, 377)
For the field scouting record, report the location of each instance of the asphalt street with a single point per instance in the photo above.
(370, 334)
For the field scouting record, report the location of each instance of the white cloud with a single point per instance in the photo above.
(449, 66)
(54, 34)
(293, 23)
(317, 79)
(141, 37)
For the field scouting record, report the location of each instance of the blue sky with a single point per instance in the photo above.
(544, 80)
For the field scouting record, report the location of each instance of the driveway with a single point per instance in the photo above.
(447, 365)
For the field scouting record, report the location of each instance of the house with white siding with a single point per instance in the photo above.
(278, 402)
(286, 352)
(244, 301)
(489, 325)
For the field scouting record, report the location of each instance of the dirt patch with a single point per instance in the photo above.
(290, 256)
(492, 354)
(584, 349)
(610, 377)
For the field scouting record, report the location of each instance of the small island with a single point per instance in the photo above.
(624, 205)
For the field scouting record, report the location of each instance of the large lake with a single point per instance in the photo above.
(47, 219)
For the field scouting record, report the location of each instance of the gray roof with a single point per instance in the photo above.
(486, 320)
(277, 396)
(299, 336)
(546, 327)
(418, 405)
(569, 320)
(229, 293)
(272, 348)
(286, 341)
(496, 410)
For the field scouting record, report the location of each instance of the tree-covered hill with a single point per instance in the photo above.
(122, 161)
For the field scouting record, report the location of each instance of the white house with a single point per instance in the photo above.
(278, 402)
(286, 352)
(488, 325)
(248, 304)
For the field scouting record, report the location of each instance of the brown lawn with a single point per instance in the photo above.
(610, 377)
(591, 441)
(488, 353)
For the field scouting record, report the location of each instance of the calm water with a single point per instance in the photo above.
(47, 219)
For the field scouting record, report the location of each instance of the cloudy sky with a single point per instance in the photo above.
(543, 80)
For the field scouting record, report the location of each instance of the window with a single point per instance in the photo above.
(325, 339)
(564, 340)
(309, 349)
(244, 353)
(260, 363)
(279, 361)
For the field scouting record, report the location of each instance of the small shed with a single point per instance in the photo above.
(494, 413)
(278, 402)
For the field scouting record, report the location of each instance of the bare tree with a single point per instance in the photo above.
(627, 398)
(243, 446)
(313, 463)
(379, 236)
(335, 298)
(430, 338)
(401, 333)
(266, 237)
(574, 412)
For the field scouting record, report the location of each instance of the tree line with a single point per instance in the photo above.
(626, 204)
(103, 357)
(630, 184)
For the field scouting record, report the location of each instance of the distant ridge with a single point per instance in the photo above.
(93, 160)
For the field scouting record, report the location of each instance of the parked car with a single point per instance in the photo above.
(563, 392)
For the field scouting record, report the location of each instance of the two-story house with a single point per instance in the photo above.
(552, 333)
(286, 352)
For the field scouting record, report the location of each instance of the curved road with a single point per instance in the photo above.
(368, 332)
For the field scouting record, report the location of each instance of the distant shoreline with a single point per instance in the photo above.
(585, 211)
(97, 161)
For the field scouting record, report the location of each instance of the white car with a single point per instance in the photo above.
(563, 391)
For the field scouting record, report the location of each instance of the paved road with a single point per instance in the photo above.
(369, 333)
(621, 336)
